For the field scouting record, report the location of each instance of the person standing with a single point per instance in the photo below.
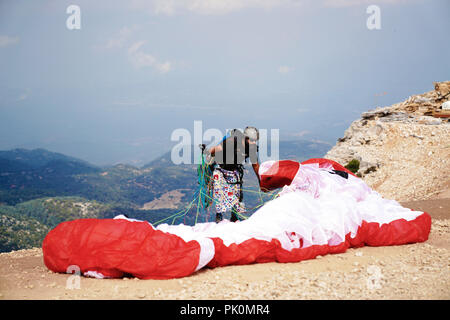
(229, 157)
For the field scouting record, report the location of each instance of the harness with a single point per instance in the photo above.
(205, 171)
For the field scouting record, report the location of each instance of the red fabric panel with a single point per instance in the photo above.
(247, 252)
(118, 247)
(397, 232)
(279, 175)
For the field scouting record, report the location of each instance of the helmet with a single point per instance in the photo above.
(252, 133)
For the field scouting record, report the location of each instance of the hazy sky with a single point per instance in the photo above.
(115, 89)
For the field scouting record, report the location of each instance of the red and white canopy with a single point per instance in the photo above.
(316, 213)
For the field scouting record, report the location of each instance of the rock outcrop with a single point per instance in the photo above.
(403, 149)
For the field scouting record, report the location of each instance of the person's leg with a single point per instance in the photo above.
(219, 195)
(219, 217)
(238, 204)
(234, 216)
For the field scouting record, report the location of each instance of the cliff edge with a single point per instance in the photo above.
(403, 149)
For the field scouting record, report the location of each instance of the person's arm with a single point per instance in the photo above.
(215, 149)
(211, 153)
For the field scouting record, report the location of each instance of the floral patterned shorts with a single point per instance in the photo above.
(227, 195)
